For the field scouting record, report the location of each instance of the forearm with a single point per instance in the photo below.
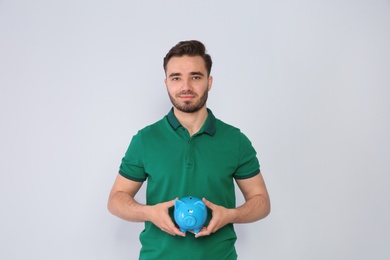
(255, 208)
(124, 206)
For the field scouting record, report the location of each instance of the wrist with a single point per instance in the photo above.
(232, 215)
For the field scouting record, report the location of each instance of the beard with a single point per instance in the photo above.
(188, 106)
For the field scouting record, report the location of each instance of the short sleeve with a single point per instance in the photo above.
(248, 164)
(132, 166)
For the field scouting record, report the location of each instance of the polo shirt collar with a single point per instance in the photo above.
(208, 126)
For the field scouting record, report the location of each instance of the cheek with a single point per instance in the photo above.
(171, 91)
(173, 87)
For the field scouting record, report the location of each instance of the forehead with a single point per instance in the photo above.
(186, 64)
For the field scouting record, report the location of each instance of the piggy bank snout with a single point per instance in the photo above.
(189, 221)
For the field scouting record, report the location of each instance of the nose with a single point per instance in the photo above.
(186, 84)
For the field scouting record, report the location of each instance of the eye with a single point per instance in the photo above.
(196, 77)
(175, 78)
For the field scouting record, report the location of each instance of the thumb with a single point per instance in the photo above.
(209, 204)
(171, 202)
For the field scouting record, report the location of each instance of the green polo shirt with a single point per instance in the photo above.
(176, 164)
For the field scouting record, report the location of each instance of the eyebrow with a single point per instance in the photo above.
(197, 73)
(175, 74)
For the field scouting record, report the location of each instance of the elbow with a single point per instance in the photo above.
(110, 205)
(265, 208)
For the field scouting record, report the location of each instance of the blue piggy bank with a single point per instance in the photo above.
(190, 214)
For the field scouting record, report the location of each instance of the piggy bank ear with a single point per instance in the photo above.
(200, 204)
(178, 203)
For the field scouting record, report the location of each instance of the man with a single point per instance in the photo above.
(189, 153)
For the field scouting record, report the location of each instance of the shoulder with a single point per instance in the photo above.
(232, 133)
(158, 126)
(226, 129)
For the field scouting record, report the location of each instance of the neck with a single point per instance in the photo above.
(192, 121)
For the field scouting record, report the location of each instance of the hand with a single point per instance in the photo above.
(221, 216)
(160, 217)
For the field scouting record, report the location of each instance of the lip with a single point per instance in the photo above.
(186, 96)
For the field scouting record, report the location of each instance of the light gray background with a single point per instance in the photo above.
(307, 81)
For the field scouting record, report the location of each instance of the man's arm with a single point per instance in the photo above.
(122, 204)
(256, 206)
(257, 203)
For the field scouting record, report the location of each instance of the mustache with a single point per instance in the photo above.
(186, 92)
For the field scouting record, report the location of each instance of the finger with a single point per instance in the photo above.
(171, 203)
(170, 228)
(208, 204)
(177, 232)
(203, 232)
(174, 231)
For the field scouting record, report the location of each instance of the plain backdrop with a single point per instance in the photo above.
(307, 81)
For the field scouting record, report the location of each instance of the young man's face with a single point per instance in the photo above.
(187, 83)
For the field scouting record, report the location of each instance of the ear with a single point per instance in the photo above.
(178, 203)
(210, 82)
(200, 204)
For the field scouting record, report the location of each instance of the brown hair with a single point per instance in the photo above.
(190, 48)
